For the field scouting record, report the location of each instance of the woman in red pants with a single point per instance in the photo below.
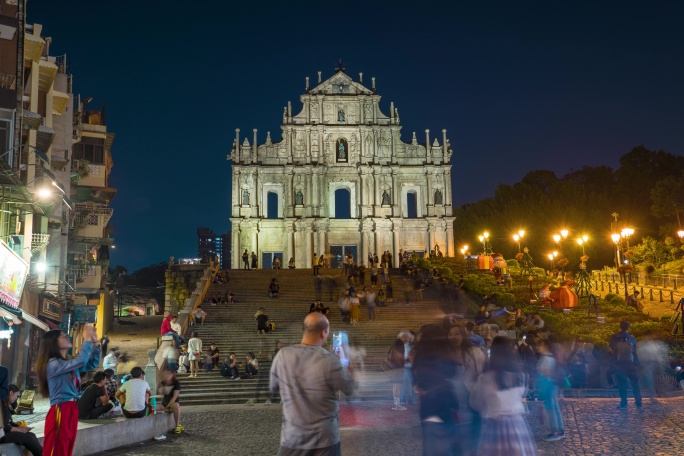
(59, 379)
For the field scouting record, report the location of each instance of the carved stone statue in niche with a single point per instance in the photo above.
(368, 112)
(385, 198)
(340, 115)
(245, 197)
(438, 196)
(299, 198)
(342, 150)
(314, 110)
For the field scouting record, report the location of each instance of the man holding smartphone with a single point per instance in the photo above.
(308, 377)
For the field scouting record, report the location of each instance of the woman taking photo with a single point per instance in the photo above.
(194, 353)
(59, 379)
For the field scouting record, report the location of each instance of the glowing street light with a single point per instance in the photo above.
(680, 233)
(44, 192)
(517, 237)
(581, 242)
(616, 240)
(486, 246)
(626, 233)
(564, 233)
(552, 258)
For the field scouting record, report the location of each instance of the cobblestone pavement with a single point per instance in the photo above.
(593, 427)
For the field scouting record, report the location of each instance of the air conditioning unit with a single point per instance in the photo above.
(16, 243)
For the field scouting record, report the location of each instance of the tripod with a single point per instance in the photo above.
(678, 328)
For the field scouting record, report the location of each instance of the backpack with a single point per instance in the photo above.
(623, 351)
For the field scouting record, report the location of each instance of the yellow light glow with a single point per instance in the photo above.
(521, 233)
(516, 238)
(564, 233)
(486, 235)
(550, 256)
(585, 238)
(580, 241)
(556, 238)
(44, 192)
(555, 254)
(615, 237)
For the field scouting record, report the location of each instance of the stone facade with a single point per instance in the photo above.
(399, 193)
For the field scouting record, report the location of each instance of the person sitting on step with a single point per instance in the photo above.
(198, 316)
(251, 365)
(230, 367)
(274, 289)
(262, 321)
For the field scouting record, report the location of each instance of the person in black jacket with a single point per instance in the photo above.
(14, 433)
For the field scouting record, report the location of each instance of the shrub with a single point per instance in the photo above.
(424, 264)
(512, 263)
(505, 299)
(479, 283)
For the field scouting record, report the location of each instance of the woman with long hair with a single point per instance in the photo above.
(434, 369)
(194, 353)
(59, 379)
(14, 433)
(498, 398)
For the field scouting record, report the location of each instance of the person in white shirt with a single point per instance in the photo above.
(110, 361)
(194, 353)
(135, 394)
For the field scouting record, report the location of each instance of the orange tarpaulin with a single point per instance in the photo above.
(564, 297)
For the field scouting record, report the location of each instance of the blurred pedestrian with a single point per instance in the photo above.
(498, 397)
(549, 373)
(623, 346)
(434, 368)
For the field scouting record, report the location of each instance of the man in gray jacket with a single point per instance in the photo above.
(308, 377)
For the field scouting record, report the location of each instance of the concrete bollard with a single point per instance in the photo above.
(610, 287)
(650, 293)
(661, 296)
(671, 297)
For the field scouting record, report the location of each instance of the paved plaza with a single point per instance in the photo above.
(593, 427)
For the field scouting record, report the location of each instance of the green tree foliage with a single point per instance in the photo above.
(149, 276)
(667, 198)
(582, 201)
(651, 251)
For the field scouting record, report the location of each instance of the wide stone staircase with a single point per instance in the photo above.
(232, 328)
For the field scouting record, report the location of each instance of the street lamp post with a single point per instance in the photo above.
(616, 240)
(581, 241)
(486, 246)
(517, 237)
(626, 233)
(552, 258)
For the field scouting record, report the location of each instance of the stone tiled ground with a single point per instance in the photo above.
(593, 427)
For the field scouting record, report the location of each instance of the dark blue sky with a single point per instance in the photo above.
(518, 86)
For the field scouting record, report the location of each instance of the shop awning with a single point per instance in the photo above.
(34, 321)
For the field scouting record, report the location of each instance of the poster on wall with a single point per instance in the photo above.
(13, 272)
(85, 314)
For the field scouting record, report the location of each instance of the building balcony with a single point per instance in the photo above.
(90, 220)
(60, 100)
(96, 176)
(38, 242)
(84, 278)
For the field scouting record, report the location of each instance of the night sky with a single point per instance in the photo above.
(518, 86)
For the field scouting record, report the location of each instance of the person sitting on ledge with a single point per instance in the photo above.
(14, 433)
(291, 263)
(134, 394)
(95, 400)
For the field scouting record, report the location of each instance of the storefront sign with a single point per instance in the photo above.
(85, 314)
(13, 272)
(52, 309)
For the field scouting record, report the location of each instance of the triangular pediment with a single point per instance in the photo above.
(340, 84)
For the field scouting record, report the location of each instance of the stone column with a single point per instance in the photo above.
(309, 234)
(444, 146)
(396, 194)
(450, 238)
(429, 193)
(288, 203)
(309, 193)
(395, 245)
(321, 240)
(447, 187)
(315, 195)
(236, 259)
(431, 235)
(255, 244)
(365, 239)
(290, 241)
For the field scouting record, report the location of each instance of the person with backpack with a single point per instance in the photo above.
(623, 346)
